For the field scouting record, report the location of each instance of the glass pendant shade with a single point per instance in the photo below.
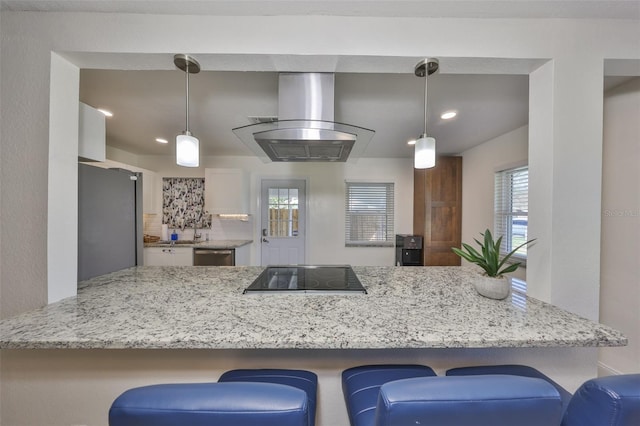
(425, 153)
(187, 145)
(187, 151)
(425, 147)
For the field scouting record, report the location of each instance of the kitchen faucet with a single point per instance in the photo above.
(196, 236)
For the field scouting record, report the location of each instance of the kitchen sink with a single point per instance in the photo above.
(179, 242)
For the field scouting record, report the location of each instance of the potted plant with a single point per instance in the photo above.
(492, 283)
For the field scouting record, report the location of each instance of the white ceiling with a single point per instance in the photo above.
(575, 9)
(150, 104)
(146, 93)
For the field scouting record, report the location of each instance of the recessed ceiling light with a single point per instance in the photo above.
(411, 142)
(105, 112)
(448, 115)
(160, 140)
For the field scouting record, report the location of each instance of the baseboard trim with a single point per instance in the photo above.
(606, 370)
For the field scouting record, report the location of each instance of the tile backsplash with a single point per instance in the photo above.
(183, 203)
(220, 229)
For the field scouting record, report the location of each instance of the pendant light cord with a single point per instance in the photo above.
(424, 69)
(426, 76)
(187, 118)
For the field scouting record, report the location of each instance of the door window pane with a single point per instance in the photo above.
(283, 212)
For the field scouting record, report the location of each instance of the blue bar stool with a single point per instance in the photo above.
(513, 370)
(468, 401)
(300, 379)
(361, 386)
(211, 404)
(611, 401)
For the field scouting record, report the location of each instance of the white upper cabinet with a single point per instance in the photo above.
(226, 191)
(149, 190)
(92, 134)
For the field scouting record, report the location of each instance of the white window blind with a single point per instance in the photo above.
(369, 214)
(512, 210)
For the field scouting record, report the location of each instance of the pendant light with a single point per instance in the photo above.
(425, 147)
(187, 145)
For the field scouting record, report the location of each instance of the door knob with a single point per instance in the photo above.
(264, 240)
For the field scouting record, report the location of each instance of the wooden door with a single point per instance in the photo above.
(437, 210)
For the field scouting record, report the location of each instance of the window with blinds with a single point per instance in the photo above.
(512, 210)
(369, 214)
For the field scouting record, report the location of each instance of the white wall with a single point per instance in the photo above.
(479, 165)
(572, 281)
(539, 259)
(62, 226)
(325, 196)
(620, 269)
(568, 119)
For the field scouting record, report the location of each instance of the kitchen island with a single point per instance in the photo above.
(148, 325)
(204, 308)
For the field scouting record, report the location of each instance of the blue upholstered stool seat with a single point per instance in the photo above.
(611, 401)
(514, 370)
(361, 386)
(211, 404)
(301, 379)
(469, 401)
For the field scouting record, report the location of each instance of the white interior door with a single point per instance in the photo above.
(283, 210)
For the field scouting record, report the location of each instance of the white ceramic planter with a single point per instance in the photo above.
(494, 288)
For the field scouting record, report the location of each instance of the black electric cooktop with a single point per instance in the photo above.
(307, 279)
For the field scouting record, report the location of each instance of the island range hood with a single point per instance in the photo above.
(304, 129)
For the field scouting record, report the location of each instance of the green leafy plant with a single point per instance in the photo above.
(488, 258)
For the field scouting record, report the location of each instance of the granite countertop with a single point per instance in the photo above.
(203, 307)
(213, 244)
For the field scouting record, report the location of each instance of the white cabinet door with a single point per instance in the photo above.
(156, 256)
(92, 134)
(167, 256)
(243, 255)
(149, 188)
(182, 256)
(226, 191)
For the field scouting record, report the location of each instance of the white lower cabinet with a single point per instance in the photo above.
(243, 255)
(168, 256)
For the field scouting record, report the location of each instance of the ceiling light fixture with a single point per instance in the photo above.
(411, 142)
(160, 140)
(187, 145)
(448, 115)
(425, 148)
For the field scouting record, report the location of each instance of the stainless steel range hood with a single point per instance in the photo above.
(305, 130)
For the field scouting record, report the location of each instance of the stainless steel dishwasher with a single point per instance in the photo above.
(214, 257)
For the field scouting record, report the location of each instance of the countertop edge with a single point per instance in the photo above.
(231, 346)
(219, 244)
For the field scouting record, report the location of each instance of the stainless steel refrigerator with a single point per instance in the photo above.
(109, 220)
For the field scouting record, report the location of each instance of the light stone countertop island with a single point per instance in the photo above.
(204, 308)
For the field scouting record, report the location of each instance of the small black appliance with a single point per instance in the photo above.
(409, 250)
